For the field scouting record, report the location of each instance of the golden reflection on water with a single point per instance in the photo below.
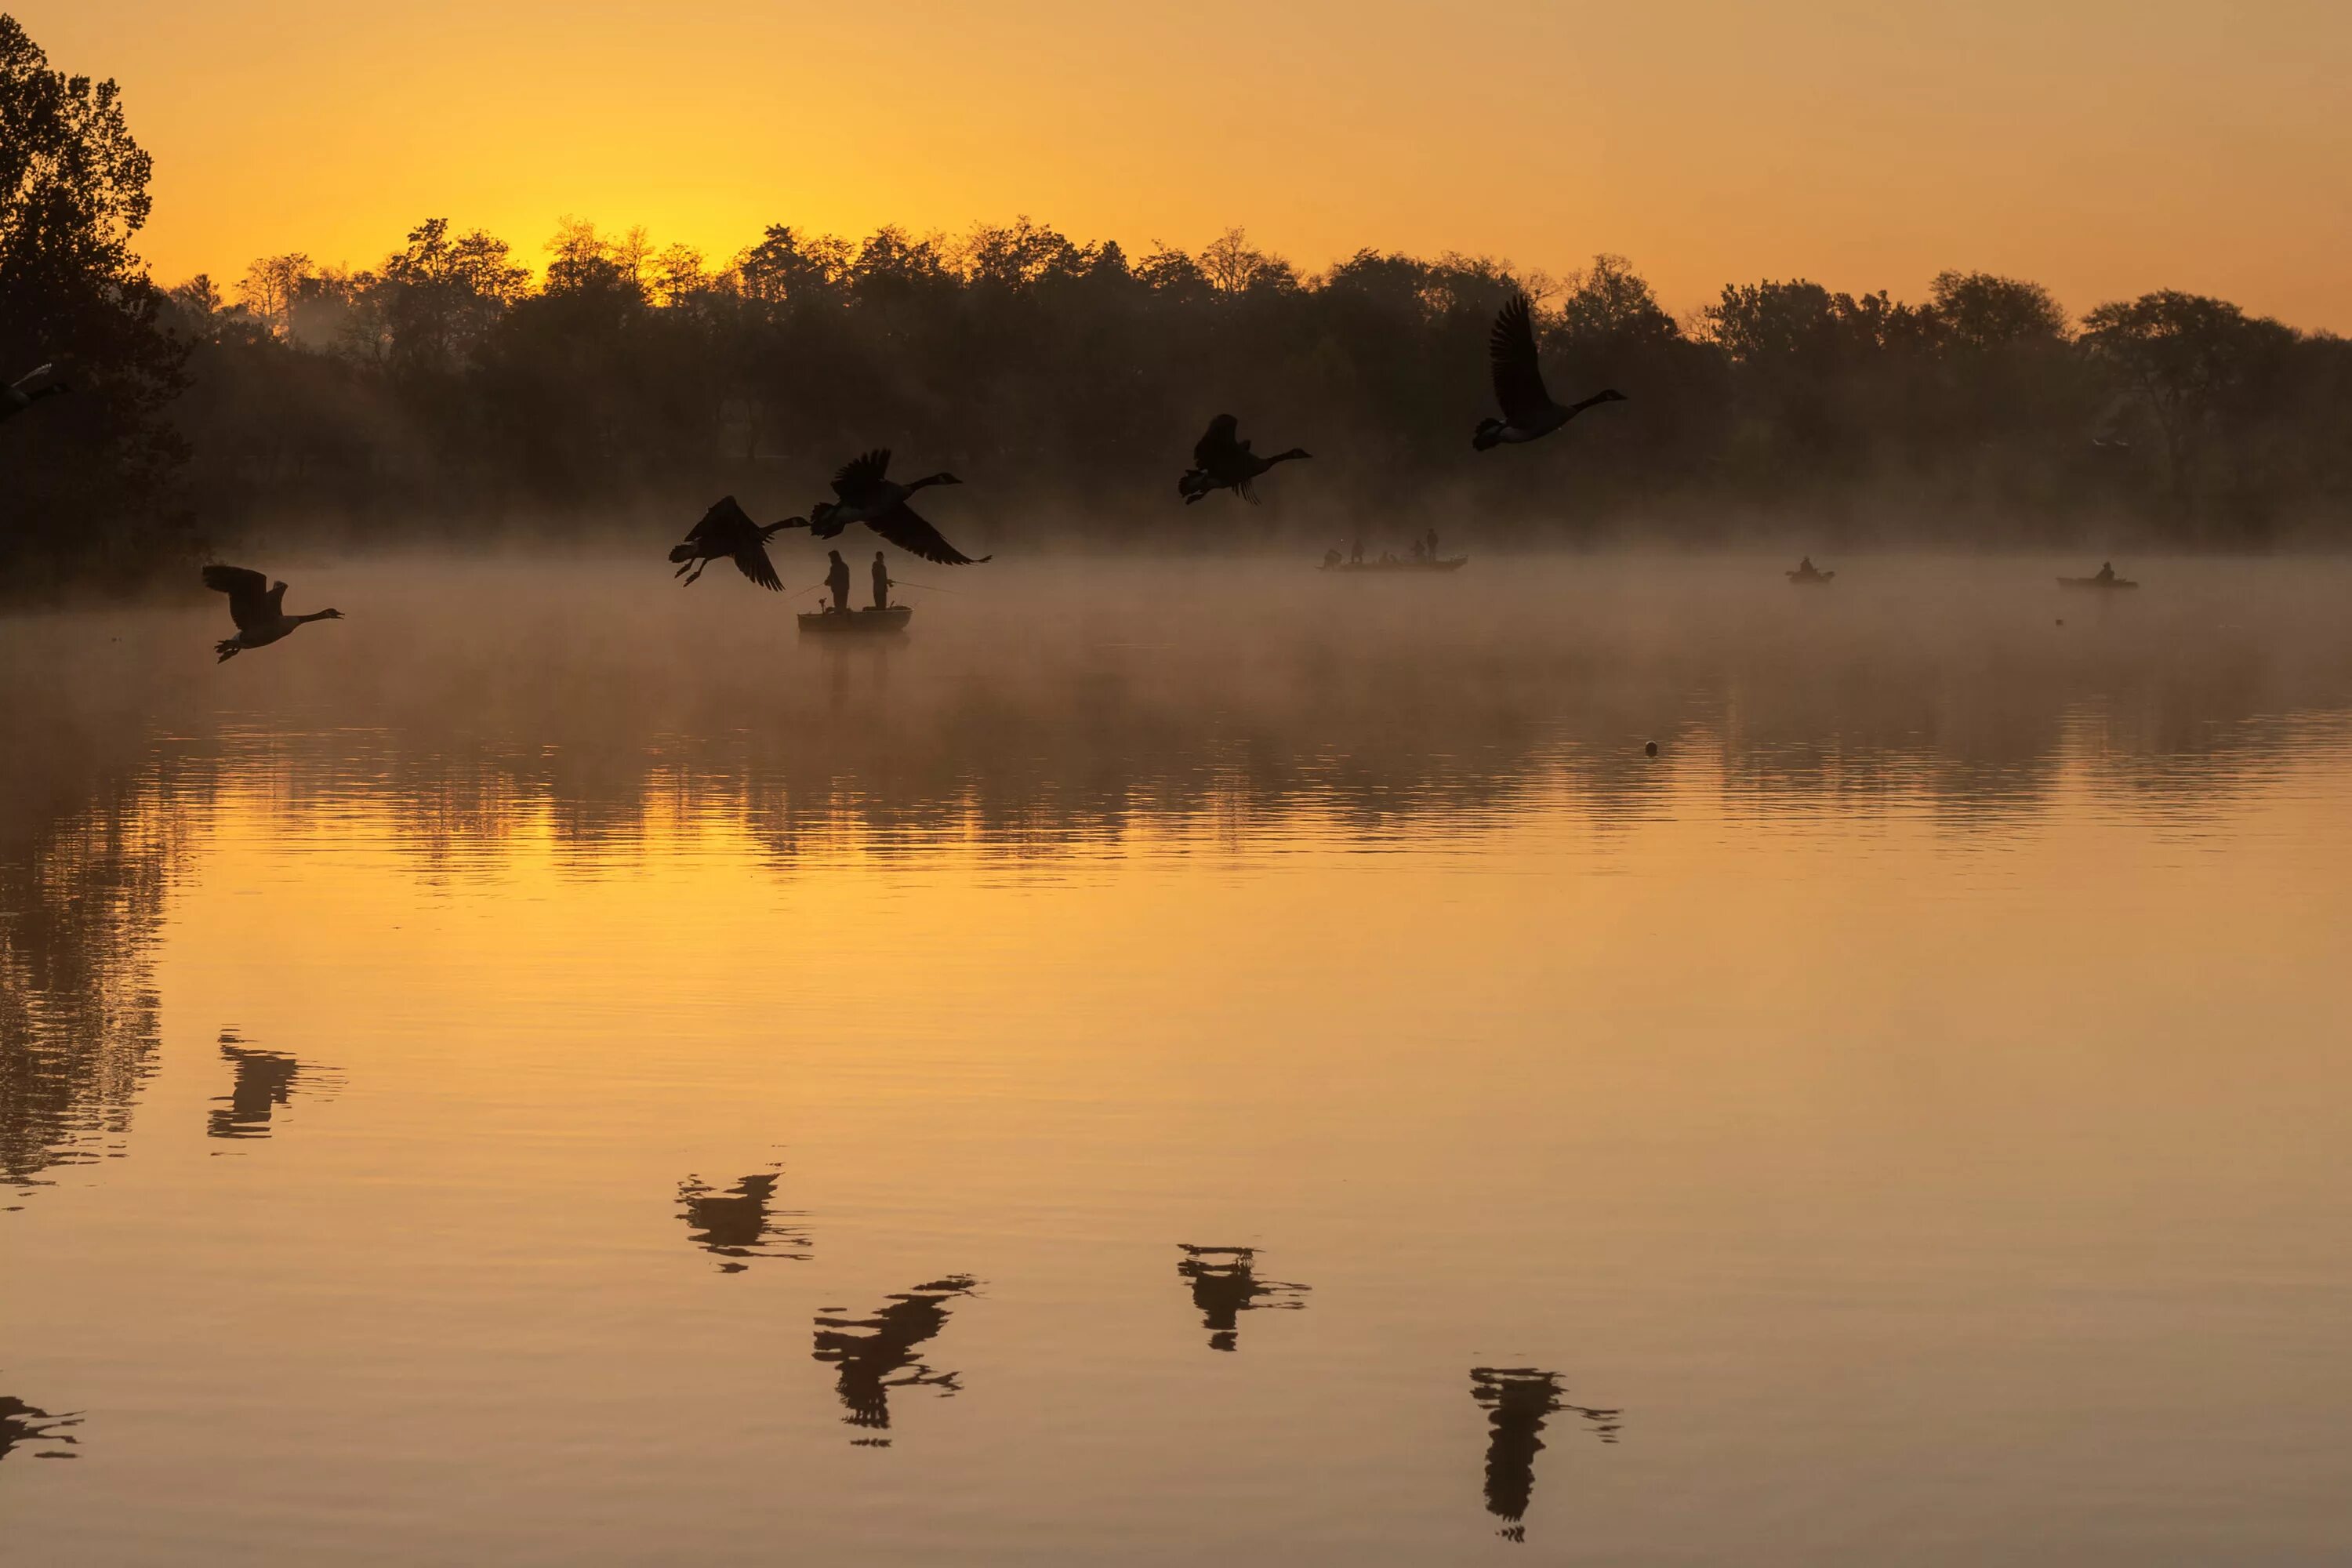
(655, 1067)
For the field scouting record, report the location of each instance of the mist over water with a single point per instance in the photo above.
(1183, 1061)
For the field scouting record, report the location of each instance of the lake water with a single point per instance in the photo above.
(1175, 1065)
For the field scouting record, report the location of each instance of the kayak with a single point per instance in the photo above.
(2096, 583)
(1451, 564)
(1807, 579)
(857, 623)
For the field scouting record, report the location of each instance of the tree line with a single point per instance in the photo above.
(462, 383)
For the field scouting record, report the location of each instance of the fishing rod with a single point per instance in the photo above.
(927, 587)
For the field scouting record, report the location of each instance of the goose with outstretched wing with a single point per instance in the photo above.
(1223, 461)
(867, 495)
(1528, 411)
(17, 396)
(258, 607)
(726, 533)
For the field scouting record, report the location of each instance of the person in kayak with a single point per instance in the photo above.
(836, 578)
(881, 583)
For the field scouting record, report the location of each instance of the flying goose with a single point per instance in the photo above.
(258, 607)
(20, 395)
(726, 533)
(1220, 462)
(1529, 411)
(880, 503)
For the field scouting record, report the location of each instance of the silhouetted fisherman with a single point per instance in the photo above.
(1519, 1400)
(2106, 573)
(737, 1224)
(837, 579)
(1225, 1285)
(882, 583)
(885, 1345)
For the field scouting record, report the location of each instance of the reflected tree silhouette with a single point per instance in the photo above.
(877, 1354)
(81, 909)
(1225, 1284)
(738, 1223)
(1519, 1402)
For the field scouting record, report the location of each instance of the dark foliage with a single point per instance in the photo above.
(448, 389)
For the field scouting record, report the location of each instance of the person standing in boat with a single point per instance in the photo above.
(881, 583)
(2106, 573)
(836, 578)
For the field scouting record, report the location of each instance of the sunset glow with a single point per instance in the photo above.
(2102, 148)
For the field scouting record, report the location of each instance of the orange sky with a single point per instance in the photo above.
(2103, 147)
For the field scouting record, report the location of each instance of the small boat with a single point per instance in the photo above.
(2096, 583)
(884, 623)
(1804, 579)
(1451, 564)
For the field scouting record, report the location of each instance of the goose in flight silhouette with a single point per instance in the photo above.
(728, 534)
(258, 607)
(23, 393)
(1528, 411)
(1222, 462)
(880, 503)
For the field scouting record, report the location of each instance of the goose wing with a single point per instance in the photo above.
(247, 590)
(1511, 349)
(1216, 447)
(724, 523)
(861, 476)
(910, 534)
(751, 558)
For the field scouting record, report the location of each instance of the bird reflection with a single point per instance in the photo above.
(877, 1354)
(23, 1425)
(265, 1080)
(1519, 1400)
(739, 1222)
(1225, 1284)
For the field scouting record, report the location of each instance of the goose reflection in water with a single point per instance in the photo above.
(23, 1425)
(265, 1080)
(739, 1223)
(877, 1354)
(1519, 1400)
(1225, 1284)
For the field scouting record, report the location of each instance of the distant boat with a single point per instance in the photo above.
(883, 622)
(1806, 579)
(1451, 564)
(2096, 583)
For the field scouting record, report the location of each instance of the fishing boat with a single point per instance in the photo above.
(1450, 563)
(1804, 579)
(2096, 583)
(883, 622)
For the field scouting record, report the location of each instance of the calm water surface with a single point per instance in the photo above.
(1179, 1066)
